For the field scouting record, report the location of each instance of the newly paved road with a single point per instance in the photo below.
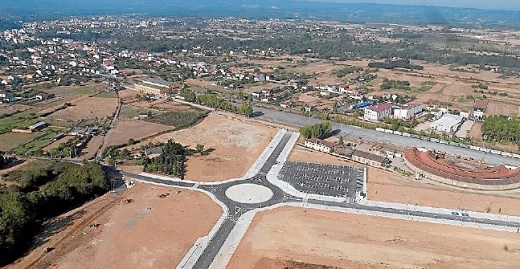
(372, 135)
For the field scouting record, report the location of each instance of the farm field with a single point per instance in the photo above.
(148, 232)
(11, 141)
(134, 129)
(278, 238)
(234, 146)
(89, 108)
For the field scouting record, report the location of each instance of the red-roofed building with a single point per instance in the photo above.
(378, 112)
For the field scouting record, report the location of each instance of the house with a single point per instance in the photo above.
(370, 159)
(152, 153)
(378, 112)
(44, 96)
(320, 145)
(407, 111)
(447, 123)
(479, 108)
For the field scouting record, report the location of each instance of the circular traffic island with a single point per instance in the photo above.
(248, 193)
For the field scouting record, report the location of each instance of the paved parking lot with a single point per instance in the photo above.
(322, 179)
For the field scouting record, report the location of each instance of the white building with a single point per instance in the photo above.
(320, 145)
(407, 111)
(378, 112)
(447, 123)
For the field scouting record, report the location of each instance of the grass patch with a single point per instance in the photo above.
(42, 139)
(17, 121)
(180, 119)
(11, 141)
(84, 90)
(106, 94)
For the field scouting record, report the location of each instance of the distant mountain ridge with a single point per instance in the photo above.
(346, 12)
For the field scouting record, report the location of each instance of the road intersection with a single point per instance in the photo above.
(210, 253)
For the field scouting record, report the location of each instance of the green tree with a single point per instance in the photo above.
(188, 95)
(199, 148)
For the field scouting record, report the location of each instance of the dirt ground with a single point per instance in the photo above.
(234, 146)
(359, 242)
(92, 147)
(89, 108)
(388, 187)
(135, 129)
(150, 232)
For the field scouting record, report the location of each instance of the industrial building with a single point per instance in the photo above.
(153, 86)
(447, 123)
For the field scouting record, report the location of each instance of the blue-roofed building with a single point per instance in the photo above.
(38, 126)
(362, 105)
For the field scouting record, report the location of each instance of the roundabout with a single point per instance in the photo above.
(248, 193)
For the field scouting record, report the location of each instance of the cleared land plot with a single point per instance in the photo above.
(89, 108)
(10, 141)
(57, 143)
(356, 241)
(88, 89)
(135, 129)
(388, 187)
(234, 146)
(302, 154)
(92, 147)
(497, 108)
(149, 232)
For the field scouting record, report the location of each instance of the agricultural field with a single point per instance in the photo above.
(89, 108)
(134, 129)
(11, 141)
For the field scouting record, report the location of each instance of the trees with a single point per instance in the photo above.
(170, 162)
(46, 190)
(320, 130)
(188, 95)
(498, 128)
(245, 109)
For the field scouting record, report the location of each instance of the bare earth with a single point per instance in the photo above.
(92, 147)
(388, 187)
(234, 144)
(89, 108)
(150, 232)
(357, 241)
(135, 129)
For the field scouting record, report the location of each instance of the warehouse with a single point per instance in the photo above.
(447, 123)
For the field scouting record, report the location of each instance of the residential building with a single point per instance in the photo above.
(44, 96)
(378, 112)
(479, 108)
(370, 159)
(407, 111)
(320, 145)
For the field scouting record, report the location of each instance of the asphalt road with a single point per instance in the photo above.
(372, 135)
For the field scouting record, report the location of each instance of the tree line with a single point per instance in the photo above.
(320, 130)
(497, 128)
(43, 190)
